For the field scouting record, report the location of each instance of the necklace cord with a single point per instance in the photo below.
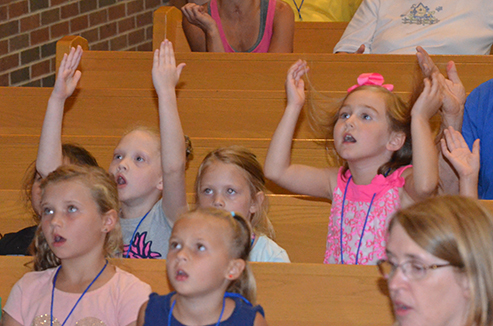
(133, 235)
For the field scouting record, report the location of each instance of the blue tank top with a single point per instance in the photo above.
(158, 307)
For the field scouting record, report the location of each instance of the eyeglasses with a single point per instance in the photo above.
(411, 269)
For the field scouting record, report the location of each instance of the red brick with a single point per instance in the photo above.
(40, 68)
(70, 10)
(152, 3)
(102, 46)
(126, 24)
(116, 12)
(32, 83)
(4, 80)
(107, 31)
(59, 30)
(19, 42)
(149, 33)
(91, 36)
(144, 19)
(9, 62)
(134, 7)
(98, 17)
(29, 23)
(9, 28)
(58, 2)
(88, 5)
(50, 16)
(118, 43)
(145, 47)
(136, 37)
(79, 23)
(17, 9)
(40, 35)
(3, 13)
(4, 47)
(53, 64)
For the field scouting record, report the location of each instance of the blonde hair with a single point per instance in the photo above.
(239, 248)
(104, 192)
(323, 118)
(458, 230)
(253, 173)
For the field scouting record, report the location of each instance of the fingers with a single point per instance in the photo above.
(475, 148)
(452, 73)
(361, 49)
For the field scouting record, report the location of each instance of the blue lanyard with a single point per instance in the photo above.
(133, 235)
(364, 225)
(80, 298)
(299, 8)
(253, 241)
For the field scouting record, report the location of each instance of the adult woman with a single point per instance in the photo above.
(440, 263)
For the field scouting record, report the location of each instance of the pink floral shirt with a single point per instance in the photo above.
(358, 199)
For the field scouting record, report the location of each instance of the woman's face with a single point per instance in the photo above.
(440, 298)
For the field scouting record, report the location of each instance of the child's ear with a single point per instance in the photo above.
(235, 269)
(396, 141)
(160, 184)
(109, 220)
(257, 202)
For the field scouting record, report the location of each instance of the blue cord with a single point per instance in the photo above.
(220, 316)
(133, 235)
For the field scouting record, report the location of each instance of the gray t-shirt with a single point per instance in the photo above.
(151, 237)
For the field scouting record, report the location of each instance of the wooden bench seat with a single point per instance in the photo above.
(291, 294)
(263, 71)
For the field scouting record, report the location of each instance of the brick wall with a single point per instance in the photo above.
(29, 30)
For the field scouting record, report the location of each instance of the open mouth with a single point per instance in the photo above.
(58, 240)
(181, 275)
(120, 180)
(349, 139)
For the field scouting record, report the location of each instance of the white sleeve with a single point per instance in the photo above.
(361, 28)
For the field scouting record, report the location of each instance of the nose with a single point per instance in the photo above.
(218, 201)
(122, 165)
(182, 254)
(349, 122)
(56, 220)
(397, 279)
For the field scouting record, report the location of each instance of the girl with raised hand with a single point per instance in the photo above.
(372, 132)
(207, 266)
(229, 178)
(148, 167)
(74, 283)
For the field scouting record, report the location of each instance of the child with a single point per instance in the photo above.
(143, 175)
(230, 178)
(372, 134)
(465, 162)
(18, 243)
(74, 284)
(208, 255)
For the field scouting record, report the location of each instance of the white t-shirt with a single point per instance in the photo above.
(266, 250)
(116, 303)
(439, 26)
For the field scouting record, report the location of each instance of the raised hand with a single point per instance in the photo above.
(68, 76)
(455, 149)
(198, 16)
(430, 99)
(295, 86)
(165, 72)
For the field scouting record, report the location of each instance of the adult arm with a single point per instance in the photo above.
(300, 179)
(201, 29)
(358, 36)
(282, 29)
(50, 143)
(165, 76)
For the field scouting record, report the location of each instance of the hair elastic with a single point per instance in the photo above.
(233, 213)
(373, 79)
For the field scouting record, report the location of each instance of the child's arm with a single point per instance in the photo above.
(423, 181)
(300, 179)
(201, 29)
(165, 76)
(259, 320)
(465, 162)
(50, 143)
(142, 314)
(8, 321)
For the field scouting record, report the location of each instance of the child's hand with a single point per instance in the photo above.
(454, 93)
(295, 86)
(197, 15)
(165, 73)
(430, 99)
(68, 76)
(455, 149)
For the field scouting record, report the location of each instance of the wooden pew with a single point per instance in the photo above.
(300, 222)
(309, 37)
(265, 71)
(291, 294)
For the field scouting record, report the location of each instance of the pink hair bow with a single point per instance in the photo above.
(371, 78)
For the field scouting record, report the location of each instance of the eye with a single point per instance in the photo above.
(231, 191)
(207, 191)
(47, 211)
(139, 159)
(117, 157)
(366, 116)
(416, 267)
(175, 245)
(201, 247)
(72, 209)
(343, 115)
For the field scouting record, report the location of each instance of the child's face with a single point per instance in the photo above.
(71, 221)
(224, 186)
(136, 166)
(362, 130)
(198, 261)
